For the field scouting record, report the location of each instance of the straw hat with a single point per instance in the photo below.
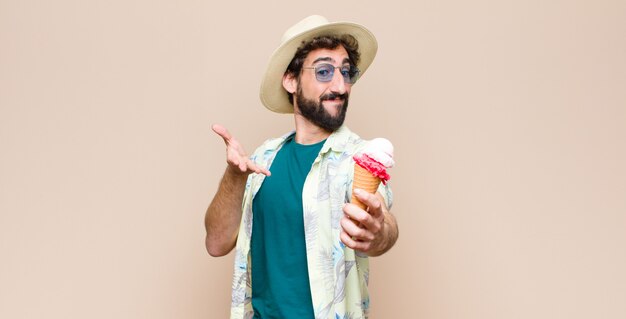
(273, 95)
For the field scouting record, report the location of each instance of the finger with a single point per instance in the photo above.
(222, 131)
(347, 240)
(357, 214)
(354, 244)
(257, 169)
(362, 218)
(354, 231)
(266, 172)
(370, 200)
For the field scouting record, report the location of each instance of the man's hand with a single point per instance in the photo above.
(236, 157)
(373, 231)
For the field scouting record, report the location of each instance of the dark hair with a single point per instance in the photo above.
(322, 42)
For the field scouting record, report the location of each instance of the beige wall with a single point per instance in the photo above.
(508, 117)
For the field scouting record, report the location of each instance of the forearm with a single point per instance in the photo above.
(223, 216)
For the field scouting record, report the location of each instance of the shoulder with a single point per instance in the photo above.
(355, 143)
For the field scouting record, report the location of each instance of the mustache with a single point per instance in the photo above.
(333, 96)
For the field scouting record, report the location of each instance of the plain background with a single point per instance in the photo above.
(508, 119)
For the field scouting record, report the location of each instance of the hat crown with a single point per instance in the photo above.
(306, 24)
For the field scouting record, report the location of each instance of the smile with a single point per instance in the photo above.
(334, 101)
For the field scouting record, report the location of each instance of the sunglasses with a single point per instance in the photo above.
(324, 72)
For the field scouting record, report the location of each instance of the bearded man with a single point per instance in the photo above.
(301, 248)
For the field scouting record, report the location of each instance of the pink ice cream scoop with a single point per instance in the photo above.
(376, 158)
(371, 166)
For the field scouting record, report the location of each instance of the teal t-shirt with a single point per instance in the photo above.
(280, 279)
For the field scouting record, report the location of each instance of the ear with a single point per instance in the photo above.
(290, 83)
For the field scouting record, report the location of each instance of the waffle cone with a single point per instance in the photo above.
(365, 181)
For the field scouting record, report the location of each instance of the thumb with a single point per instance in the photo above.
(222, 131)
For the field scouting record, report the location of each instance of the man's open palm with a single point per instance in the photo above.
(236, 156)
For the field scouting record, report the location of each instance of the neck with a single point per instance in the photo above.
(307, 132)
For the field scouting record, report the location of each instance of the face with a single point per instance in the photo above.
(323, 103)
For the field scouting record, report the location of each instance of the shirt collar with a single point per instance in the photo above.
(337, 141)
(274, 144)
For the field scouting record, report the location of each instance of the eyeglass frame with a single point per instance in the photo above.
(346, 78)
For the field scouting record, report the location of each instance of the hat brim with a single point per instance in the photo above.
(274, 96)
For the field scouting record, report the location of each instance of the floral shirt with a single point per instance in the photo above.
(338, 275)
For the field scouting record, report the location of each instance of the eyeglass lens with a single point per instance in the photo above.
(324, 72)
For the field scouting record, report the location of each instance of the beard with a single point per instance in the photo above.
(317, 114)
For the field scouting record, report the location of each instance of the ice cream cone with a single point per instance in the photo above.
(363, 180)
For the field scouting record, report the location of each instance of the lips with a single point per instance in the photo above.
(336, 99)
(334, 102)
(333, 97)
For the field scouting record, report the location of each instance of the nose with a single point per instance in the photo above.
(338, 84)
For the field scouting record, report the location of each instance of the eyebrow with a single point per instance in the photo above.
(329, 59)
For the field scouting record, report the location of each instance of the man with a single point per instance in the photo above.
(302, 250)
